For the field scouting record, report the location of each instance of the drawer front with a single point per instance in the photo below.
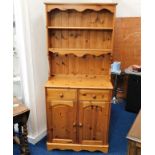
(93, 95)
(61, 94)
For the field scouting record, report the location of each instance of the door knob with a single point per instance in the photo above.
(74, 124)
(80, 125)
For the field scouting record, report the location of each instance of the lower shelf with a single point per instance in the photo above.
(78, 147)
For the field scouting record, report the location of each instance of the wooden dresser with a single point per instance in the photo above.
(79, 89)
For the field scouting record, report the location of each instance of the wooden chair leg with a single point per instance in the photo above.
(14, 142)
(24, 150)
(20, 137)
(15, 137)
(25, 139)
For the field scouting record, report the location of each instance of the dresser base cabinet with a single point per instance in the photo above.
(78, 119)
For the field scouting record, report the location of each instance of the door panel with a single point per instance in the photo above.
(93, 123)
(62, 117)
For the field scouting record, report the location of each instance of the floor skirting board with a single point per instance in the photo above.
(36, 139)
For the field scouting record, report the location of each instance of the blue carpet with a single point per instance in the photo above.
(120, 124)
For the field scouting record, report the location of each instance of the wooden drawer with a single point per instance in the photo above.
(104, 95)
(64, 94)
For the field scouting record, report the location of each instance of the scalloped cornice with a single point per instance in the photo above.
(81, 7)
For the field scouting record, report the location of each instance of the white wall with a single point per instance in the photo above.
(38, 56)
(128, 8)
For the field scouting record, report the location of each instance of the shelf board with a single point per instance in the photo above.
(80, 28)
(79, 81)
(80, 52)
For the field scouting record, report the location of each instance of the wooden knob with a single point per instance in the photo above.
(74, 124)
(94, 96)
(61, 95)
(80, 124)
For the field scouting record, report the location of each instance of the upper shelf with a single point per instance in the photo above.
(80, 28)
(80, 52)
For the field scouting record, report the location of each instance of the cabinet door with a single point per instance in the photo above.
(61, 121)
(93, 122)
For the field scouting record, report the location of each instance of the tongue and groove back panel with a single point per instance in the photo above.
(80, 42)
(87, 18)
(80, 39)
(87, 65)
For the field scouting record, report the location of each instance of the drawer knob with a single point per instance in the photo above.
(94, 96)
(61, 95)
